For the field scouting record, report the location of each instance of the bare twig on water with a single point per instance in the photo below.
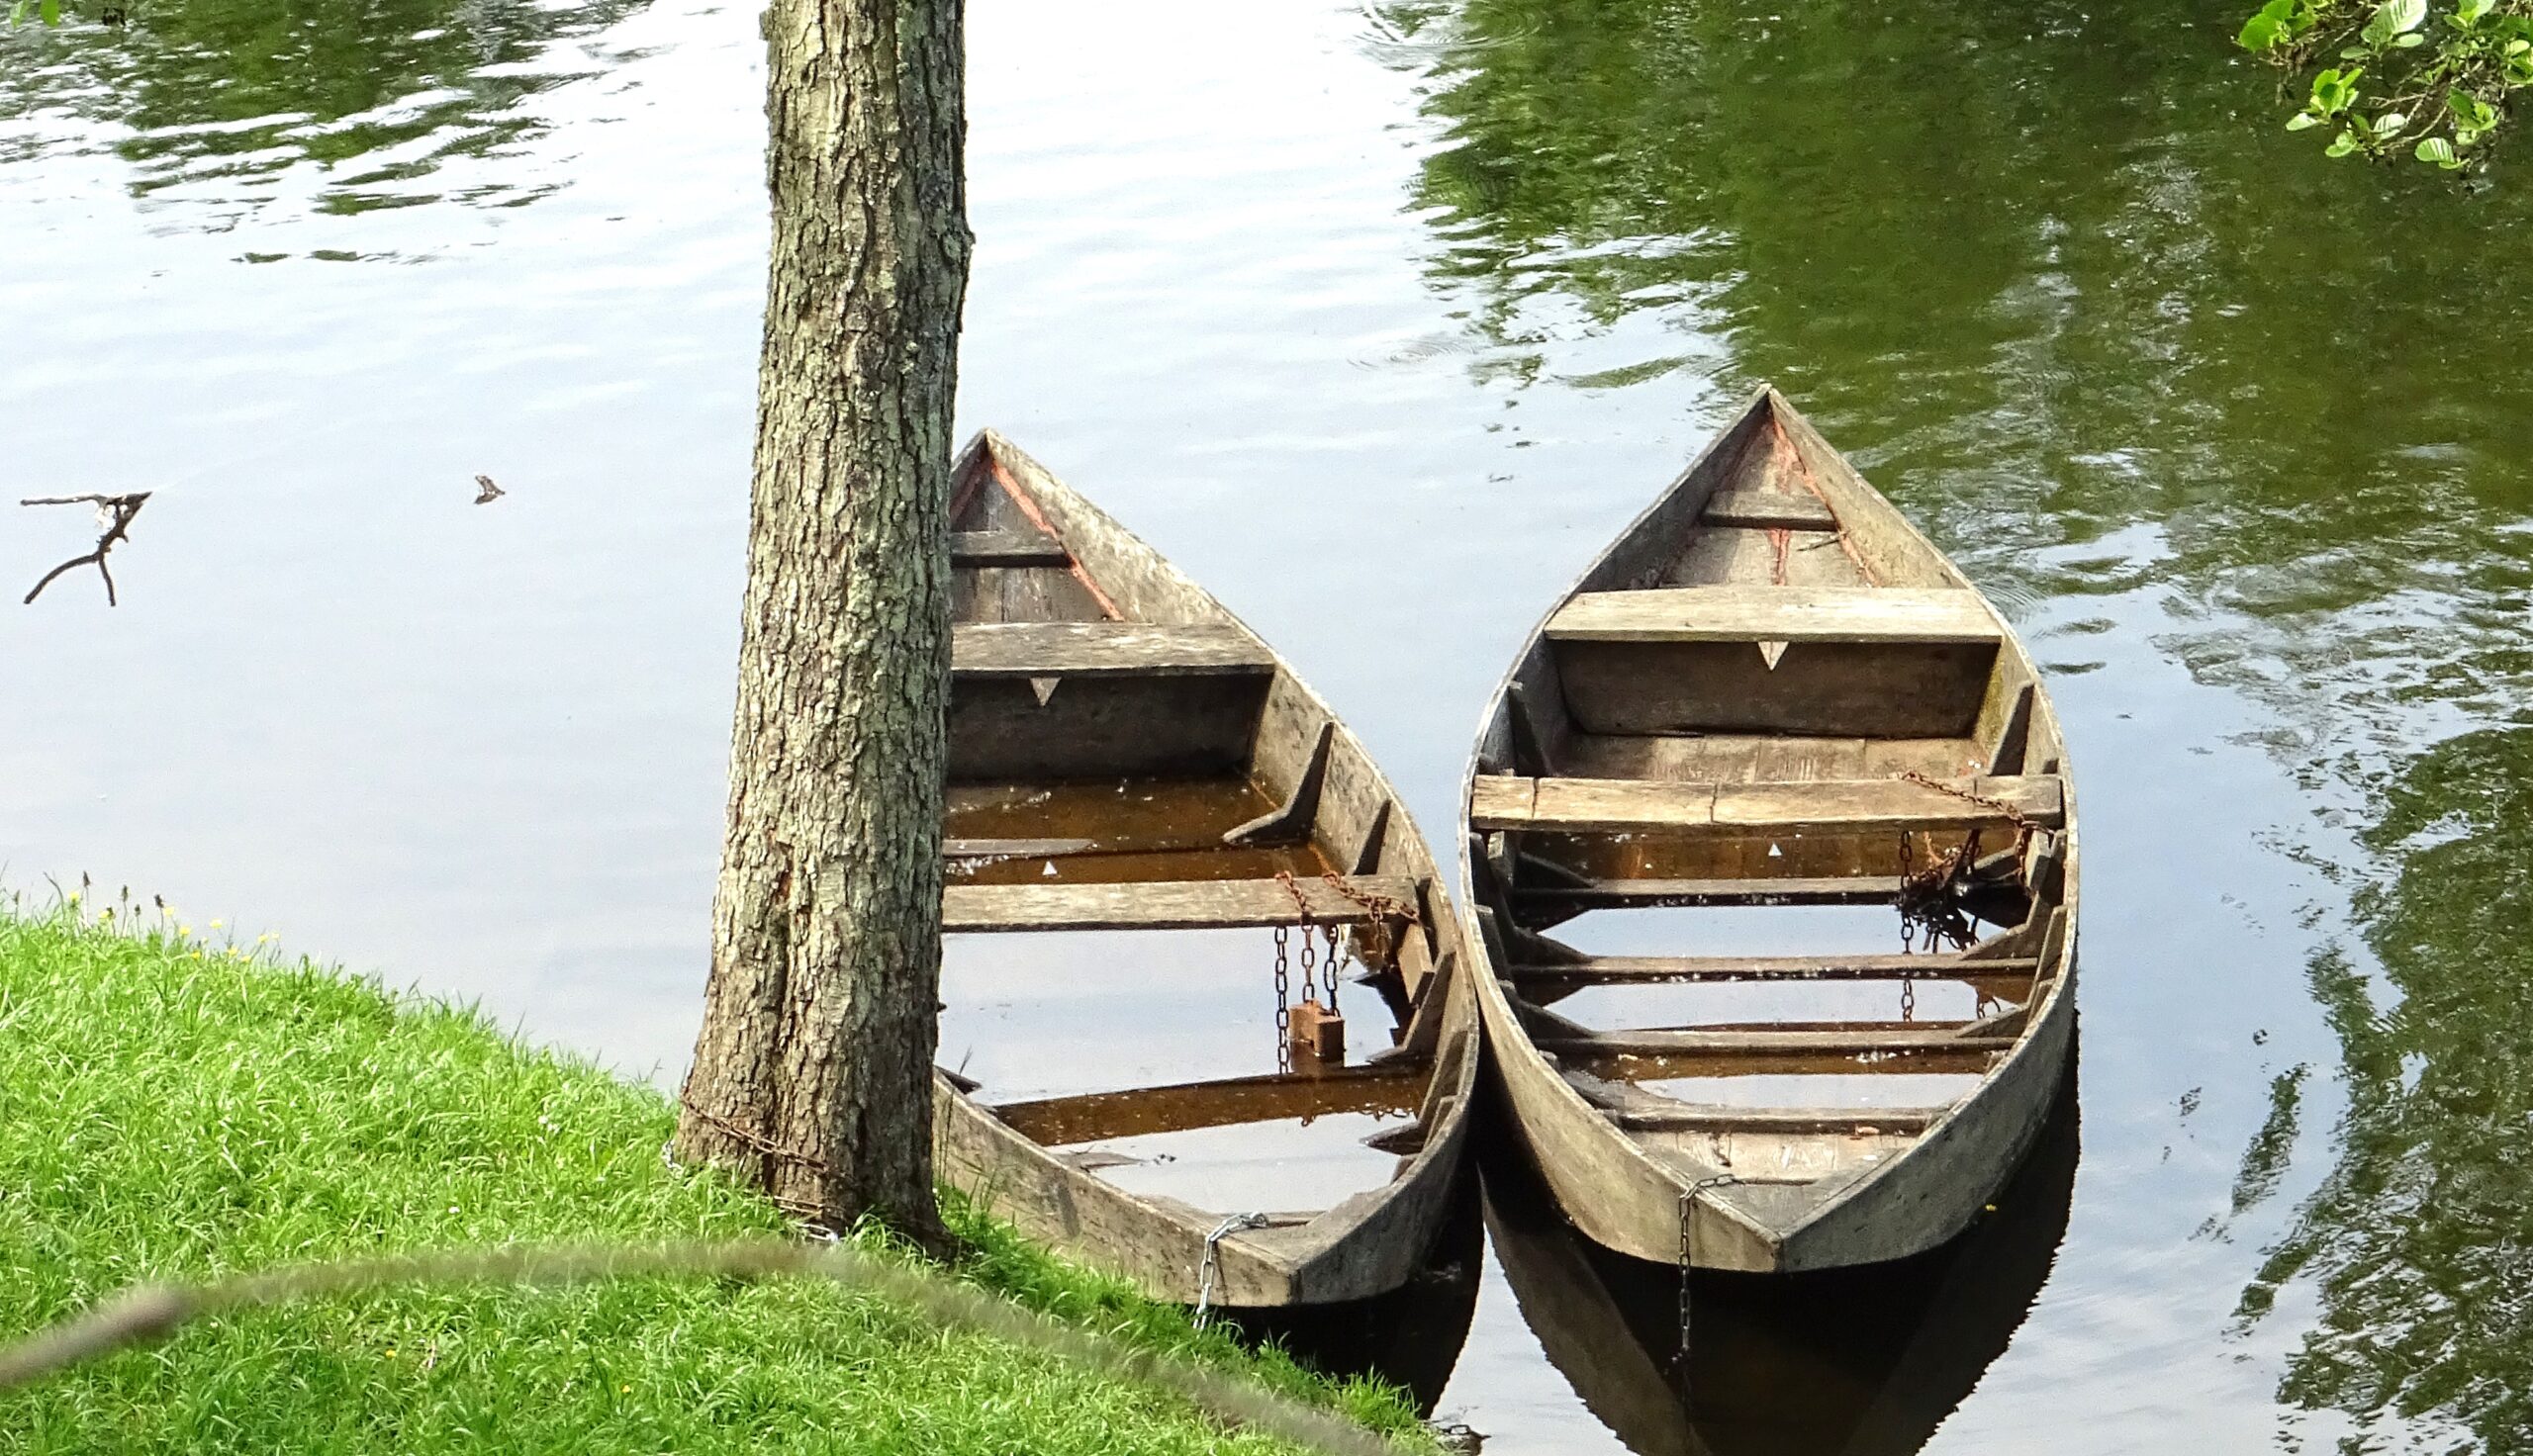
(114, 517)
(147, 1312)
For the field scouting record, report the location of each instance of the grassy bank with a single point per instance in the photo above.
(170, 1109)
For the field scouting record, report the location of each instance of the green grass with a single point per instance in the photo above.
(171, 1110)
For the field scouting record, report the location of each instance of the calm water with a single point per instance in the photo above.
(1379, 320)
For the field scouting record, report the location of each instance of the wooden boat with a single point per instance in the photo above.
(1082, 663)
(1771, 691)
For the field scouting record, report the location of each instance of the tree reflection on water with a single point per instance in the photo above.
(2048, 274)
(221, 97)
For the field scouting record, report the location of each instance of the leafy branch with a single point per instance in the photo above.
(2436, 91)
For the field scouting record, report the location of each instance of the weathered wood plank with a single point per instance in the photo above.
(1852, 690)
(1211, 904)
(1095, 1117)
(1737, 1041)
(1006, 549)
(1623, 970)
(1769, 509)
(1862, 889)
(1709, 1118)
(1013, 849)
(1785, 757)
(1824, 806)
(1776, 614)
(1097, 649)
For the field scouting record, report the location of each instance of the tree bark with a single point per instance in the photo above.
(813, 1074)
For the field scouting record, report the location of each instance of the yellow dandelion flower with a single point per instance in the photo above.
(214, 925)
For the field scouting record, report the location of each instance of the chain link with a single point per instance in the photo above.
(1284, 1009)
(1907, 998)
(2005, 811)
(1688, 1209)
(1340, 948)
(1680, 1358)
(1209, 1263)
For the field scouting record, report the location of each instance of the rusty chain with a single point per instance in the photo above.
(1923, 892)
(2005, 811)
(1284, 1009)
(1380, 910)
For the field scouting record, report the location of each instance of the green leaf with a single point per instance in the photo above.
(2440, 152)
(2392, 18)
(2341, 146)
(2270, 25)
(2390, 123)
(52, 12)
(2302, 120)
(18, 12)
(2405, 42)
(2471, 113)
(2469, 12)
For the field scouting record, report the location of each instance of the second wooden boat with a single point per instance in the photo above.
(1772, 692)
(1126, 756)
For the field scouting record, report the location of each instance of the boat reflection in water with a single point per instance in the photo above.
(1864, 1361)
(1410, 1337)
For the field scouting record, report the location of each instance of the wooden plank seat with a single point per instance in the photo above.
(1713, 1117)
(1201, 904)
(1006, 549)
(1760, 509)
(1095, 1117)
(1645, 894)
(1959, 1058)
(1856, 1039)
(1105, 649)
(1820, 806)
(1647, 970)
(1875, 615)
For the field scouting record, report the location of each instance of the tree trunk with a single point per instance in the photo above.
(813, 1074)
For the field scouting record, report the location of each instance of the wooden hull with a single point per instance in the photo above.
(1083, 656)
(1726, 710)
(1857, 1362)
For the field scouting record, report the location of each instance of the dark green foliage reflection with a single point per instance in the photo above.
(2052, 273)
(220, 96)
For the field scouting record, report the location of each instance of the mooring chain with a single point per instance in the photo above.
(1924, 900)
(1283, 1008)
(2005, 811)
(1310, 969)
(1688, 1209)
(1209, 1263)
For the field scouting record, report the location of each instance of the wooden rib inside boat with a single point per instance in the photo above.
(1125, 755)
(1773, 702)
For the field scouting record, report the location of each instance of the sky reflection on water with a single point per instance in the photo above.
(1378, 322)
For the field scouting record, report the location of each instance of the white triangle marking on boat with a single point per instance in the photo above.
(1771, 651)
(1045, 687)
